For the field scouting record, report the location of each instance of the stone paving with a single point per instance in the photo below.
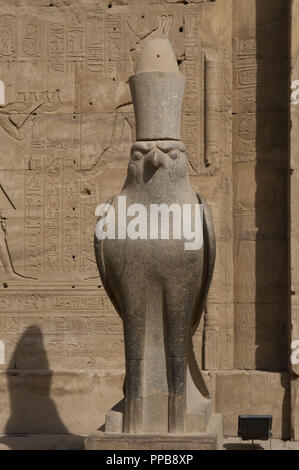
(72, 442)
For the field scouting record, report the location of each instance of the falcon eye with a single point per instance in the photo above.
(174, 154)
(137, 156)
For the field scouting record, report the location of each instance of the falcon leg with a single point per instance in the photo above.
(177, 324)
(134, 333)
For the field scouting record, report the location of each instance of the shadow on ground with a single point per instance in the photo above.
(242, 446)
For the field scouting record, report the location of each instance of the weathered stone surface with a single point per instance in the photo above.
(294, 247)
(152, 280)
(260, 149)
(265, 262)
(233, 443)
(42, 442)
(294, 402)
(209, 440)
(261, 337)
(43, 402)
(253, 392)
(59, 152)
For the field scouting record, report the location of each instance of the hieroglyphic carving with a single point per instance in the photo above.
(262, 76)
(95, 58)
(53, 216)
(76, 39)
(8, 36)
(47, 188)
(68, 169)
(57, 46)
(193, 67)
(57, 206)
(33, 222)
(87, 217)
(55, 325)
(212, 117)
(43, 302)
(58, 216)
(5, 257)
(94, 41)
(251, 72)
(115, 44)
(259, 150)
(15, 116)
(31, 35)
(211, 341)
(206, 74)
(45, 97)
(71, 220)
(55, 143)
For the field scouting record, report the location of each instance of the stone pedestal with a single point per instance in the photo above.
(211, 439)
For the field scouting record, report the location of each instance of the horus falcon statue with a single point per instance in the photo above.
(157, 286)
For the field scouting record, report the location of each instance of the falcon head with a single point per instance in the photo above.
(152, 158)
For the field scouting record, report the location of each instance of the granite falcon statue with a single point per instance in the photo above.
(157, 286)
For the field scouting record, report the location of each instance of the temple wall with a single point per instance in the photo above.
(66, 127)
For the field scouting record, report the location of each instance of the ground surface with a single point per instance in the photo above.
(70, 442)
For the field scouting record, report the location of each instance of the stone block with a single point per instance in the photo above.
(261, 271)
(261, 337)
(209, 440)
(253, 392)
(43, 401)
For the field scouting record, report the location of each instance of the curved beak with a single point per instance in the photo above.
(156, 159)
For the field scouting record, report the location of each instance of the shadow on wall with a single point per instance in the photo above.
(271, 198)
(32, 410)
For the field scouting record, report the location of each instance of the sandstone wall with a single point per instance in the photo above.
(293, 192)
(66, 126)
(260, 207)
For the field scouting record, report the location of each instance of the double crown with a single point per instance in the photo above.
(157, 90)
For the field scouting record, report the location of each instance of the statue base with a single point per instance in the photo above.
(211, 439)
